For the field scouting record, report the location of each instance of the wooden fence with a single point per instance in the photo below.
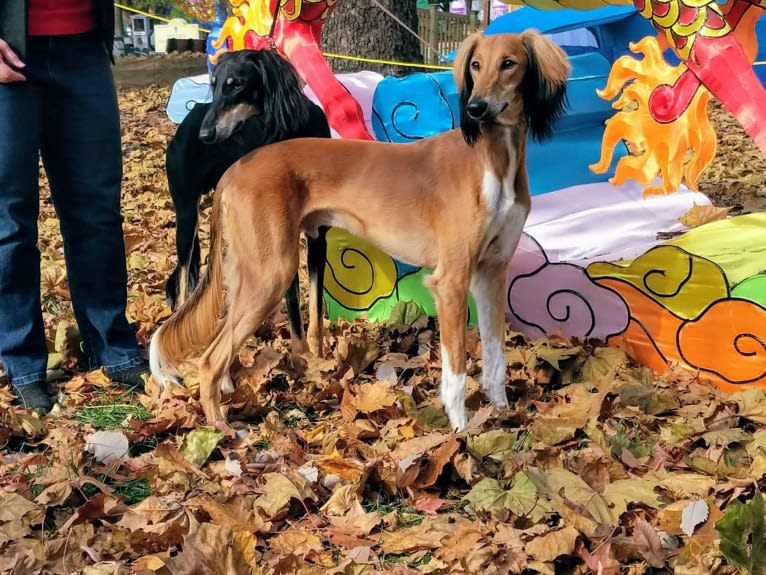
(443, 31)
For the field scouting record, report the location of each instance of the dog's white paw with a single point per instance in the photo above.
(453, 398)
(458, 420)
(227, 385)
(496, 395)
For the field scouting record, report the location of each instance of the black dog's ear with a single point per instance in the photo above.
(285, 107)
(545, 84)
(470, 127)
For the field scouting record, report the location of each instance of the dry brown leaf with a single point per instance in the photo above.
(462, 543)
(436, 461)
(341, 500)
(344, 467)
(426, 536)
(648, 542)
(600, 560)
(704, 214)
(14, 507)
(428, 503)
(280, 489)
(372, 397)
(554, 544)
(296, 541)
(357, 522)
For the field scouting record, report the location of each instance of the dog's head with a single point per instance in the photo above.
(246, 83)
(506, 79)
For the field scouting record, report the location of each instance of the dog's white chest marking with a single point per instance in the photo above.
(505, 217)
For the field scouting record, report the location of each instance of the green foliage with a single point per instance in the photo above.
(743, 536)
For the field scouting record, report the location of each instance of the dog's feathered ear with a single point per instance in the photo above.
(544, 86)
(470, 127)
(285, 106)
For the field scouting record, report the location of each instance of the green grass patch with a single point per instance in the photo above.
(133, 491)
(405, 559)
(406, 516)
(111, 416)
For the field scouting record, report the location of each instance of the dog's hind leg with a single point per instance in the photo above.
(292, 299)
(488, 288)
(316, 261)
(450, 290)
(255, 292)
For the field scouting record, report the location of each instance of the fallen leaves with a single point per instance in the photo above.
(345, 465)
(701, 215)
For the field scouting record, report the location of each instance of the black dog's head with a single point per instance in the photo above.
(246, 83)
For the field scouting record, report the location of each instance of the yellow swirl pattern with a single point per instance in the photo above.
(683, 283)
(357, 274)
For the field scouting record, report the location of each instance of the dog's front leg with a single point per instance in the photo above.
(450, 292)
(488, 288)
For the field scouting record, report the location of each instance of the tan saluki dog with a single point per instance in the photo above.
(456, 203)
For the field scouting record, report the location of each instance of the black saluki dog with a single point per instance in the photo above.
(264, 103)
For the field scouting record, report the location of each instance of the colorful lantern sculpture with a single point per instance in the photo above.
(716, 44)
(294, 27)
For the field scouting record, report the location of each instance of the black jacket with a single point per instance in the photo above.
(14, 16)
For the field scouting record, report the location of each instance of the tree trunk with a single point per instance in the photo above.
(361, 28)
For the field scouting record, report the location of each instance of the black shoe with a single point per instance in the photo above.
(33, 396)
(131, 377)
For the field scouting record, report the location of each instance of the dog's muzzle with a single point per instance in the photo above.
(477, 109)
(207, 134)
(481, 110)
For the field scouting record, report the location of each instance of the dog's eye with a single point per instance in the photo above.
(475, 66)
(507, 64)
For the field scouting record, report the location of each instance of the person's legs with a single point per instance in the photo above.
(22, 334)
(82, 155)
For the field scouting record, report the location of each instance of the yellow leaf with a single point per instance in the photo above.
(13, 507)
(371, 397)
(553, 545)
(343, 467)
(700, 215)
(341, 500)
(150, 563)
(280, 489)
(357, 521)
(199, 444)
(751, 404)
(295, 542)
(553, 481)
(623, 492)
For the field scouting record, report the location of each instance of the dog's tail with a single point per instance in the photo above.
(192, 327)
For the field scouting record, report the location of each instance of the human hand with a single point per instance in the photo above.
(9, 58)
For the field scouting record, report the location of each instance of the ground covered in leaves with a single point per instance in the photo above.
(345, 465)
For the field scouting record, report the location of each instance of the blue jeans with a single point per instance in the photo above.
(67, 112)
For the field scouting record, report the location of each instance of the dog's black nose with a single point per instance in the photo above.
(477, 109)
(206, 134)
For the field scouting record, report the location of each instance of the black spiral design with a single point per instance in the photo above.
(348, 266)
(407, 96)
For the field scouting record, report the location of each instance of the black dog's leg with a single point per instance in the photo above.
(185, 276)
(292, 299)
(316, 260)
